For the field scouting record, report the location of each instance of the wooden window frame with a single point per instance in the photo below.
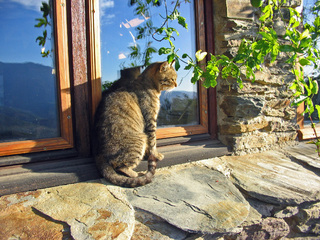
(305, 132)
(206, 98)
(64, 96)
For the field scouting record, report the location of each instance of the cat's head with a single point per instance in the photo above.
(166, 76)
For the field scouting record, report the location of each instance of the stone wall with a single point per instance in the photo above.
(258, 116)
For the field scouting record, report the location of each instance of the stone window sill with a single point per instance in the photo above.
(36, 174)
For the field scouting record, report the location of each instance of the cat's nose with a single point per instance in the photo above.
(175, 84)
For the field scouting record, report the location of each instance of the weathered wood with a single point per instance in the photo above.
(93, 34)
(308, 133)
(180, 131)
(42, 175)
(81, 88)
(37, 157)
(212, 94)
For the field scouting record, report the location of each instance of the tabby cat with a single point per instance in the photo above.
(125, 125)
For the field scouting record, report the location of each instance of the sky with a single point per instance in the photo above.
(18, 34)
(118, 23)
(118, 31)
(309, 70)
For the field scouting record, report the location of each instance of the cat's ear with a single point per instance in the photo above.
(165, 66)
(172, 63)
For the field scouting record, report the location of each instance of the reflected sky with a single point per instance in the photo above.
(118, 32)
(18, 34)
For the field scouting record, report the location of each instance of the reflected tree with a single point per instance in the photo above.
(43, 23)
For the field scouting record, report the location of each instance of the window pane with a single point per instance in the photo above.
(119, 33)
(28, 89)
(310, 70)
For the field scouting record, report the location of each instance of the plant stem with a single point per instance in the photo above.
(315, 133)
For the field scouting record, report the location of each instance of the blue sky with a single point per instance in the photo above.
(118, 33)
(18, 34)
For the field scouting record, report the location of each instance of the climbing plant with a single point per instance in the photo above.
(298, 42)
(43, 23)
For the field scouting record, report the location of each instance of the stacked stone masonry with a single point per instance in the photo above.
(259, 116)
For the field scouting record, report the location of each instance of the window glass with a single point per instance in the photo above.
(119, 24)
(311, 71)
(28, 91)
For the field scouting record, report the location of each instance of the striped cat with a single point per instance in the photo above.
(125, 125)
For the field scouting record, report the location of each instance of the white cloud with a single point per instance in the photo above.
(106, 19)
(30, 4)
(133, 22)
(122, 56)
(106, 4)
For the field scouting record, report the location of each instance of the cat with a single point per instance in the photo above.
(125, 125)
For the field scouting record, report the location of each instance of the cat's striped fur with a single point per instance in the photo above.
(125, 125)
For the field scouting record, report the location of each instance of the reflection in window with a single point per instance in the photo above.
(119, 34)
(311, 71)
(28, 91)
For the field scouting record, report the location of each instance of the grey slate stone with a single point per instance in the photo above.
(193, 198)
(305, 153)
(273, 178)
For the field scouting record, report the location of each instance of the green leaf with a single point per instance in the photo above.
(297, 101)
(267, 36)
(304, 62)
(188, 67)
(286, 48)
(318, 110)
(197, 73)
(305, 34)
(200, 55)
(185, 55)
(256, 3)
(267, 10)
(182, 22)
(164, 50)
(315, 87)
(177, 64)
(170, 58)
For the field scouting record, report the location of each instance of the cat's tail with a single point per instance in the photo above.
(111, 175)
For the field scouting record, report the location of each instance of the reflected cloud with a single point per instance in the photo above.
(133, 22)
(121, 56)
(106, 4)
(30, 4)
(106, 19)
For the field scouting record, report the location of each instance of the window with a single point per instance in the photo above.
(35, 105)
(306, 132)
(74, 94)
(184, 111)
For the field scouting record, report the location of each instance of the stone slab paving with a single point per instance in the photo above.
(272, 177)
(77, 211)
(305, 153)
(192, 198)
(270, 195)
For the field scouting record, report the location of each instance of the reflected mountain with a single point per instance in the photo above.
(178, 108)
(28, 102)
